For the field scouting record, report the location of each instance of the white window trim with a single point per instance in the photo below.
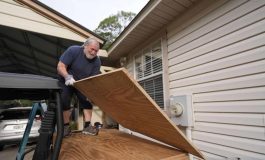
(141, 53)
(155, 74)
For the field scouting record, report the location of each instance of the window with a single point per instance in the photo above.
(148, 72)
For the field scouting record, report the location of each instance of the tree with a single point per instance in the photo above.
(111, 27)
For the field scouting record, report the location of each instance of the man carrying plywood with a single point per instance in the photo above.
(76, 63)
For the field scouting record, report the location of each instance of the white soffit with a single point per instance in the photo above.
(153, 17)
(16, 15)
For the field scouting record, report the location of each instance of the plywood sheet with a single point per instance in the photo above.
(111, 144)
(121, 97)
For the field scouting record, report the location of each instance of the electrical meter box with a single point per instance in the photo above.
(180, 110)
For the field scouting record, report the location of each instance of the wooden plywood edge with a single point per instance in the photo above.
(178, 157)
(187, 145)
(159, 109)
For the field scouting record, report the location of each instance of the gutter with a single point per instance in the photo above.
(60, 18)
(134, 23)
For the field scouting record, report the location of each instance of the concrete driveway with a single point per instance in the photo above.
(10, 152)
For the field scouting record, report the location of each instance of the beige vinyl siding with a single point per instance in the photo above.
(218, 56)
(227, 151)
(10, 15)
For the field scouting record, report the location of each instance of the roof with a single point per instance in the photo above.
(27, 81)
(60, 19)
(26, 86)
(33, 36)
(151, 19)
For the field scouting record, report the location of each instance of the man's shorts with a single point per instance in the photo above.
(66, 96)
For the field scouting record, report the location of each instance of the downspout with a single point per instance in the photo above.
(188, 134)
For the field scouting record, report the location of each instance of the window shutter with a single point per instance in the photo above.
(154, 87)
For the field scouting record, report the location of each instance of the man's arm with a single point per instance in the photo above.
(62, 69)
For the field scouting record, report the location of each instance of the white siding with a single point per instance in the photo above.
(218, 56)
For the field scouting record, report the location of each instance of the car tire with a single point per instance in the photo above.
(1, 147)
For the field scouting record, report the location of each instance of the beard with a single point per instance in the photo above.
(89, 56)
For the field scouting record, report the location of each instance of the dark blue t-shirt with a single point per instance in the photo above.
(78, 65)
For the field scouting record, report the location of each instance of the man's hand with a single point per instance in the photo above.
(69, 80)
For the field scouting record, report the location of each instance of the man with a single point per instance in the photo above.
(76, 63)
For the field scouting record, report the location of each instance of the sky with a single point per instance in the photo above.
(89, 13)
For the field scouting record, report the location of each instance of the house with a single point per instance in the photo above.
(207, 58)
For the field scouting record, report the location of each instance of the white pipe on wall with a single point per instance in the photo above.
(188, 134)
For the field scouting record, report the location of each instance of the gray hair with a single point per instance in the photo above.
(90, 41)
